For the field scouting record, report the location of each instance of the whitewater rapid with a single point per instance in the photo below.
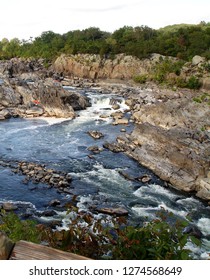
(63, 144)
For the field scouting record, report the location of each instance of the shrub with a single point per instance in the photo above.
(141, 79)
(107, 239)
(164, 67)
(193, 83)
(17, 229)
(157, 240)
(205, 97)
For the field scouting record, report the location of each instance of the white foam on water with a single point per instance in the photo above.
(180, 213)
(190, 202)
(103, 174)
(84, 200)
(144, 212)
(204, 225)
(145, 191)
(66, 219)
(16, 130)
(200, 253)
(35, 123)
(19, 202)
(100, 105)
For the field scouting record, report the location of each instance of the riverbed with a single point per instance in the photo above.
(97, 179)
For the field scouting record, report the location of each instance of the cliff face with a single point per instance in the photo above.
(125, 67)
(27, 91)
(94, 67)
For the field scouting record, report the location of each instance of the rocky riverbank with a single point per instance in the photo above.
(28, 90)
(171, 136)
(172, 127)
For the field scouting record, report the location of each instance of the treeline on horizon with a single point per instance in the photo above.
(181, 41)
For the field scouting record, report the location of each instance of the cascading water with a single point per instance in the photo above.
(97, 181)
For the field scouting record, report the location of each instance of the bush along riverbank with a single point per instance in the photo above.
(156, 240)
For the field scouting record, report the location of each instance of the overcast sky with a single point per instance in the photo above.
(23, 19)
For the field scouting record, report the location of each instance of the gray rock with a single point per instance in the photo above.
(9, 206)
(123, 121)
(95, 134)
(35, 111)
(197, 60)
(118, 211)
(114, 147)
(76, 100)
(54, 202)
(5, 114)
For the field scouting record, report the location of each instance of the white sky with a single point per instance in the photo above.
(23, 19)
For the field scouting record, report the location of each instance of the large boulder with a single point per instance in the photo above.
(196, 60)
(8, 95)
(17, 66)
(76, 100)
(5, 114)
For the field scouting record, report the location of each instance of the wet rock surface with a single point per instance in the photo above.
(39, 173)
(95, 134)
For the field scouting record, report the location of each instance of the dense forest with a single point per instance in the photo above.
(181, 41)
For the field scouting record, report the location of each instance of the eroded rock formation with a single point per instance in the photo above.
(33, 93)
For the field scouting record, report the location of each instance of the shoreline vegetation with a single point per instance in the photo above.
(164, 77)
(182, 41)
(155, 240)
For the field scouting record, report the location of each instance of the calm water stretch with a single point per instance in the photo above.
(63, 145)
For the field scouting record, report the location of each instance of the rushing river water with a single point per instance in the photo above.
(63, 145)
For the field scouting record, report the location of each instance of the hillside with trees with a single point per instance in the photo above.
(181, 41)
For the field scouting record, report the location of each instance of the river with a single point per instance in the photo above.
(63, 144)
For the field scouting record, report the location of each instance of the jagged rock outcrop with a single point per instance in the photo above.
(27, 91)
(172, 138)
(43, 98)
(24, 68)
(95, 67)
(125, 67)
(172, 155)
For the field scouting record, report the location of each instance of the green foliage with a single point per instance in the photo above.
(17, 229)
(207, 67)
(205, 97)
(193, 83)
(108, 239)
(157, 240)
(181, 41)
(165, 67)
(141, 79)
